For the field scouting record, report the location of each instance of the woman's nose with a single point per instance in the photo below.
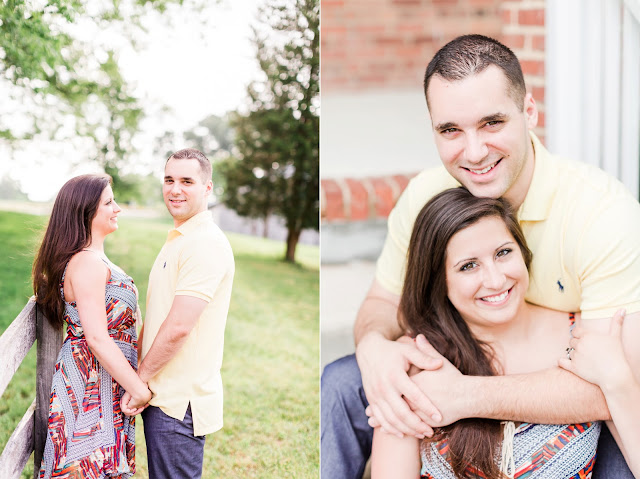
(493, 277)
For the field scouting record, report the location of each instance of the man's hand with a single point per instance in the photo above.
(443, 386)
(440, 385)
(384, 365)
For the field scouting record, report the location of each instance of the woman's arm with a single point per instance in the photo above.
(87, 275)
(392, 456)
(599, 358)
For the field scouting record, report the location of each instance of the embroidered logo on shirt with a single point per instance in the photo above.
(164, 265)
(560, 287)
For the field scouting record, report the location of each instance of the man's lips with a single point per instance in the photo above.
(484, 170)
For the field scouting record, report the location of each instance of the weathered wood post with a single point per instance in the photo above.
(49, 341)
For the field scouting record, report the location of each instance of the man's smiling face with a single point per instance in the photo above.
(185, 191)
(482, 135)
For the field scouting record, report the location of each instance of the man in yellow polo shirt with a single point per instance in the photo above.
(582, 226)
(183, 334)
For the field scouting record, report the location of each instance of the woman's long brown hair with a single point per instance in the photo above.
(68, 232)
(425, 309)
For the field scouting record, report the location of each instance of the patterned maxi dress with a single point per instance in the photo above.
(89, 436)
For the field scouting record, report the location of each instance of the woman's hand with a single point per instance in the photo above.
(599, 357)
(131, 406)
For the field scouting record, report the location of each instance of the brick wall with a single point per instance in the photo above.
(388, 43)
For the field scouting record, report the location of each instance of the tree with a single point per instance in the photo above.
(277, 168)
(63, 83)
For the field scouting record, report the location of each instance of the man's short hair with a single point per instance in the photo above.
(193, 154)
(471, 54)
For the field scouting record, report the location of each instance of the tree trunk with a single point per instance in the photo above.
(292, 242)
(265, 229)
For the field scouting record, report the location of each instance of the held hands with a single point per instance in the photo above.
(598, 357)
(131, 406)
(384, 365)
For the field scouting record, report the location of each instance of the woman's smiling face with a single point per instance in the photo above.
(486, 275)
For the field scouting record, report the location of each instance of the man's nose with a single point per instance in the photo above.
(475, 149)
(175, 188)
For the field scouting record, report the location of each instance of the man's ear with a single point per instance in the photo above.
(531, 111)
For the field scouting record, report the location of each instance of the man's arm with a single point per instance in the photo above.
(384, 364)
(551, 396)
(182, 317)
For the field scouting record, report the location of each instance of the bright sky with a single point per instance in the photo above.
(193, 70)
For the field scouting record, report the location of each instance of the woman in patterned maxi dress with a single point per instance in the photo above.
(78, 288)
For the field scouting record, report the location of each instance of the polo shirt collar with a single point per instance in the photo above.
(539, 199)
(191, 224)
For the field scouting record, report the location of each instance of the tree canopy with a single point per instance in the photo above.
(276, 169)
(59, 82)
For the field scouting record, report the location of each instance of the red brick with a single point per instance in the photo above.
(541, 119)
(493, 4)
(532, 67)
(384, 197)
(369, 29)
(513, 41)
(333, 30)
(531, 17)
(389, 40)
(402, 181)
(333, 207)
(359, 207)
(505, 16)
(407, 52)
(538, 93)
(537, 42)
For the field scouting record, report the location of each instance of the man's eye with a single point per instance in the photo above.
(448, 131)
(494, 122)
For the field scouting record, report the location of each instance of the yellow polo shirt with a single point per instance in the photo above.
(197, 261)
(582, 225)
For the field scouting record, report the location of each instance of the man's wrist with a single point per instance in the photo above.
(470, 397)
(143, 375)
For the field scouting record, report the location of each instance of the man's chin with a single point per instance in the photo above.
(485, 191)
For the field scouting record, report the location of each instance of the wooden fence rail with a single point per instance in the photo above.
(30, 434)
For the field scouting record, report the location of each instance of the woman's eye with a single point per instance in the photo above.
(503, 252)
(468, 266)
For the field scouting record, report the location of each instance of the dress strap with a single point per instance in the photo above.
(572, 322)
(64, 273)
(106, 261)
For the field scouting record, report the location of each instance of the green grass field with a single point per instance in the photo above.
(271, 358)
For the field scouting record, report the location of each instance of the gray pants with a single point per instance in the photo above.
(172, 449)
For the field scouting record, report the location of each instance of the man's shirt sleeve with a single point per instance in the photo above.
(608, 256)
(202, 266)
